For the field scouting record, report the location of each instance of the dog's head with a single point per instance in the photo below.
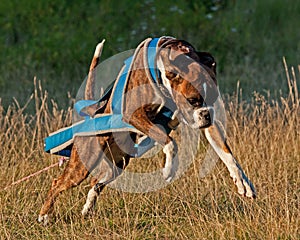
(190, 78)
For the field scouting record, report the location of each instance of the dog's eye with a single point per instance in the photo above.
(195, 102)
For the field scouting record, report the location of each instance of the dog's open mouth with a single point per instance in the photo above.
(205, 124)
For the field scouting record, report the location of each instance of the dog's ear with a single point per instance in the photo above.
(173, 53)
(177, 47)
(208, 60)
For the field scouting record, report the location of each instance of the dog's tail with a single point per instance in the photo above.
(89, 94)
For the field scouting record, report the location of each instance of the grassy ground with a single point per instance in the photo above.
(54, 40)
(264, 135)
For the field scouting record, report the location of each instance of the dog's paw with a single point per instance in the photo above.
(171, 163)
(168, 173)
(43, 219)
(84, 211)
(244, 185)
(249, 189)
(90, 201)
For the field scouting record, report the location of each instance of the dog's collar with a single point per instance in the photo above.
(151, 60)
(151, 64)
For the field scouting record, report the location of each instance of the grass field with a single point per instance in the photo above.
(263, 133)
(50, 43)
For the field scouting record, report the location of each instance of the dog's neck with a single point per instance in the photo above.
(156, 67)
(165, 85)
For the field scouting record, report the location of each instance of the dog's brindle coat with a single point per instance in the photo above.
(189, 78)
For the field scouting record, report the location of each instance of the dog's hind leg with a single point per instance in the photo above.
(93, 193)
(218, 142)
(98, 183)
(74, 173)
(106, 176)
(113, 163)
(103, 176)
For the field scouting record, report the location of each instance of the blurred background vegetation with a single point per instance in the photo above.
(54, 40)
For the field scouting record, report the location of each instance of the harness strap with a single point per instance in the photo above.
(82, 104)
(118, 91)
(119, 88)
(151, 57)
(60, 141)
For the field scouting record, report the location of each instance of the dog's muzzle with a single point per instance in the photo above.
(203, 117)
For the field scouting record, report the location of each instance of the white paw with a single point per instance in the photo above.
(43, 219)
(85, 210)
(168, 173)
(245, 187)
(171, 161)
(90, 201)
(250, 191)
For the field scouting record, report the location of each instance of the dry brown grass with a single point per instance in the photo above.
(264, 135)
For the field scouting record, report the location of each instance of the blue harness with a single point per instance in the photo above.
(60, 142)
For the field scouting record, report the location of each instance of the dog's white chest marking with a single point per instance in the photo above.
(205, 88)
(164, 78)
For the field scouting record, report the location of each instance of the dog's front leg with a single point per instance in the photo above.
(143, 124)
(218, 142)
(171, 164)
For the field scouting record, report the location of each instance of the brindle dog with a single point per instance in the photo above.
(188, 77)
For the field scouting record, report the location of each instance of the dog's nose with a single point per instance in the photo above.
(204, 114)
(204, 117)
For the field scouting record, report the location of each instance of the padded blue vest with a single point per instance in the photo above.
(103, 123)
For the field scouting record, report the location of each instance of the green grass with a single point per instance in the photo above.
(54, 40)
